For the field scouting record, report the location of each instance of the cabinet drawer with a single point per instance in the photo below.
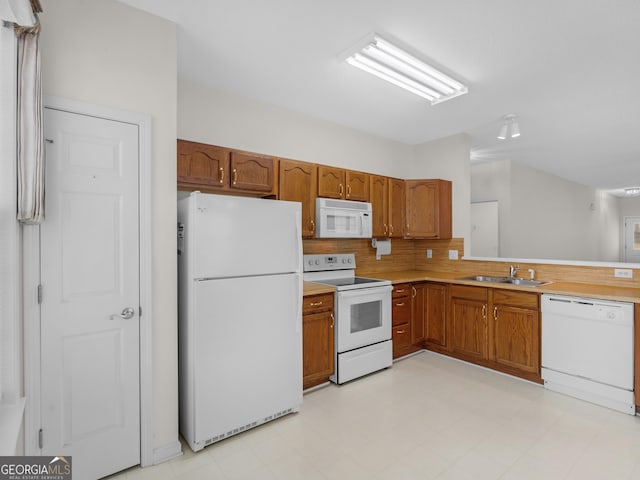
(401, 310)
(515, 299)
(317, 303)
(401, 289)
(471, 293)
(401, 335)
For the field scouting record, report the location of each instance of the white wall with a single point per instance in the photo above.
(109, 54)
(218, 117)
(490, 181)
(448, 158)
(543, 216)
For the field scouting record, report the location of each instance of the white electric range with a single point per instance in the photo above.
(362, 309)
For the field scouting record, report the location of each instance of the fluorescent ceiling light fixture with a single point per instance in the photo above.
(388, 62)
(632, 191)
(510, 127)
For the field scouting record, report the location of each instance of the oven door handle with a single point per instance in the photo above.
(359, 292)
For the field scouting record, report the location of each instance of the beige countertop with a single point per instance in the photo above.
(605, 292)
(312, 288)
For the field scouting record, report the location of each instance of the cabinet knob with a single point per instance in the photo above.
(313, 227)
(220, 175)
(340, 189)
(235, 176)
(401, 304)
(332, 320)
(315, 304)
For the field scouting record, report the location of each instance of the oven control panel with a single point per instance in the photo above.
(334, 261)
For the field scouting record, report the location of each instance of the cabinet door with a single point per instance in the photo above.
(317, 348)
(202, 165)
(468, 321)
(331, 182)
(251, 172)
(417, 313)
(379, 196)
(428, 209)
(396, 208)
(299, 183)
(435, 297)
(357, 186)
(516, 330)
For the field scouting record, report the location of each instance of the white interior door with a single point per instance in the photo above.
(484, 229)
(90, 367)
(632, 239)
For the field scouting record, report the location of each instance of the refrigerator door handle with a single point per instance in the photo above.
(299, 307)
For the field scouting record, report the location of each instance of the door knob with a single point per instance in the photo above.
(126, 314)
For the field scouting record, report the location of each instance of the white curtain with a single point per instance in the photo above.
(30, 128)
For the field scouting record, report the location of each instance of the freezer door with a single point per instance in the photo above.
(247, 352)
(238, 236)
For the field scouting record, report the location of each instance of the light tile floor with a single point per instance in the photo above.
(427, 417)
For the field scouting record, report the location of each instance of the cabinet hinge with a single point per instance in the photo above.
(40, 440)
(40, 293)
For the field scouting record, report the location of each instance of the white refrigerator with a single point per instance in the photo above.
(240, 314)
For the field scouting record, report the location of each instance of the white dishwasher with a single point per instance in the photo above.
(587, 350)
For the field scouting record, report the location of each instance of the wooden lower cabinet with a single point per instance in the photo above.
(317, 339)
(516, 331)
(468, 322)
(401, 320)
(636, 311)
(495, 328)
(433, 298)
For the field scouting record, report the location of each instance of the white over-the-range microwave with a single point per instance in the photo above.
(343, 219)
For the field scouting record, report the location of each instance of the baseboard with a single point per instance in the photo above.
(167, 452)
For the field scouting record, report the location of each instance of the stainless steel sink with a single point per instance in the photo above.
(525, 282)
(484, 278)
(513, 281)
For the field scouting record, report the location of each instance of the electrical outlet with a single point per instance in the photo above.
(429, 253)
(623, 273)
(453, 254)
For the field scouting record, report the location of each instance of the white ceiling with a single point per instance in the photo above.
(570, 69)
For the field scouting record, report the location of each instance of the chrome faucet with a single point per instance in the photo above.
(513, 269)
(532, 274)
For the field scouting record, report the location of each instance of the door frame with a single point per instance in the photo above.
(31, 279)
(625, 219)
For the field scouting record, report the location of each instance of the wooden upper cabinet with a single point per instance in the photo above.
(250, 171)
(357, 186)
(202, 165)
(344, 184)
(396, 207)
(428, 209)
(212, 168)
(299, 183)
(387, 203)
(331, 182)
(379, 198)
